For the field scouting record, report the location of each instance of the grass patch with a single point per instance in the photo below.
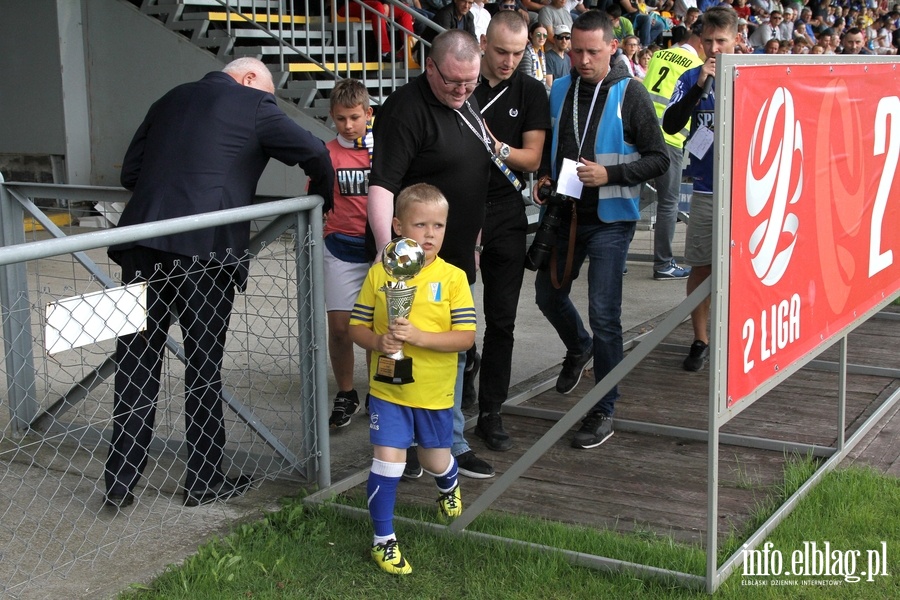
(319, 552)
(797, 469)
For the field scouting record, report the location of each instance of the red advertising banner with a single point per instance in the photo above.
(815, 210)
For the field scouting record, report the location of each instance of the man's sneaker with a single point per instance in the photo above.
(672, 272)
(346, 404)
(473, 467)
(572, 368)
(412, 470)
(450, 503)
(697, 357)
(388, 557)
(596, 428)
(490, 429)
(470, 374)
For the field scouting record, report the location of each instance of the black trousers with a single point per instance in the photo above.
(502, 270)
(201, 294)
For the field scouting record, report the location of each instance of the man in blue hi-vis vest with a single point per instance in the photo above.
(605, 143)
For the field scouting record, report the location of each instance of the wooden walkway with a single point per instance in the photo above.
(656, 483)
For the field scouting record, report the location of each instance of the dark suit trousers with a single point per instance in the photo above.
(202, 296)
(502, 268)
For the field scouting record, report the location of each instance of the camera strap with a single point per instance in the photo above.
(485, 139)
(570, 255)
(573, 223)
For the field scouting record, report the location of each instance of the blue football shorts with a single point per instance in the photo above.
(396, 426)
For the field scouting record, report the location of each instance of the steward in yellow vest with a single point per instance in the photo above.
(665, 67)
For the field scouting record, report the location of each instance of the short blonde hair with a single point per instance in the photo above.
(420, 193)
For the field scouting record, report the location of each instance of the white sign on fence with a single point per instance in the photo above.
(95, 317)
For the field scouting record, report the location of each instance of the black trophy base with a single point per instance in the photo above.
(395, 371)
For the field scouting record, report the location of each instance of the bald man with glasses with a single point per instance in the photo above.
(431, 131)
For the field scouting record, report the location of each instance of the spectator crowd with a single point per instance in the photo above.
(797, 27)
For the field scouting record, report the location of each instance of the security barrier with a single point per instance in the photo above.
(62, 308)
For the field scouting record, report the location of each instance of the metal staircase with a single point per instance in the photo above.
(306, 43)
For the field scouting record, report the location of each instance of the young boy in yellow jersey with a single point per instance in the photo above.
(441, 324)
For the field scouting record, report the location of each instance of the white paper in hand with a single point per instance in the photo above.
(568, 183)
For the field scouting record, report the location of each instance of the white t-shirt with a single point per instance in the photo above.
(482, 19)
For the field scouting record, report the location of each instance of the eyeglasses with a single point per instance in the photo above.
(468, 85)
(564, 37)
(540, 35)
(507, 7)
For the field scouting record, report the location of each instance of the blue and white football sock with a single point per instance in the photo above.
(381, 492)
(447, 480)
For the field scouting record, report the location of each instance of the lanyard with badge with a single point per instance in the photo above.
(486, 140)
(568, 183)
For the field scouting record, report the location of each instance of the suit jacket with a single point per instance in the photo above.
(201, 148)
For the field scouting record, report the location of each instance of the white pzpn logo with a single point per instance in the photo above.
(774, 183)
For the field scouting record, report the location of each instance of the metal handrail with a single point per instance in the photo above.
(34, 250)
(277, 34)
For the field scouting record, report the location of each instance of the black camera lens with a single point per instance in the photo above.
(538, 255)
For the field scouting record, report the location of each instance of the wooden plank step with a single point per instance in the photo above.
(58, 219)
(241, 4)
(316, 50)
(249, 17)
(337, 67)
(296, 35)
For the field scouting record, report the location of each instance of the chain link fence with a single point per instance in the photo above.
(62, 308)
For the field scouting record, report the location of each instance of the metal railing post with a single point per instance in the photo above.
(15, 312)
(320, 358)
(311, 329)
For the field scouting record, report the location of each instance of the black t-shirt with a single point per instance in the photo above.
(513, 107)
(420, 140)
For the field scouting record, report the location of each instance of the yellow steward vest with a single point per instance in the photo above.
(665, 67)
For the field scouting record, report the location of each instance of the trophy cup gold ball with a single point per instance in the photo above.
(402, 259)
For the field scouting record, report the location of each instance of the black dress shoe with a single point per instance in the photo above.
(119, 500)
(231, 486)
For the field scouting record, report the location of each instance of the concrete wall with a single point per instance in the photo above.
(131, 60)
(31, 97)
(128, 61)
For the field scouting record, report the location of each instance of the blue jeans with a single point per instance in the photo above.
(645, 27)
(605, 245)
(460, 445)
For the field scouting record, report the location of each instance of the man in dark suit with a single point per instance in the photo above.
(201, 148)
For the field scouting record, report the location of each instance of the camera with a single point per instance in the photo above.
(538, 255)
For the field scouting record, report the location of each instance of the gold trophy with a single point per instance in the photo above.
(402, 258)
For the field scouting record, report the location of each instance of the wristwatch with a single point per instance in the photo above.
(504, 151)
